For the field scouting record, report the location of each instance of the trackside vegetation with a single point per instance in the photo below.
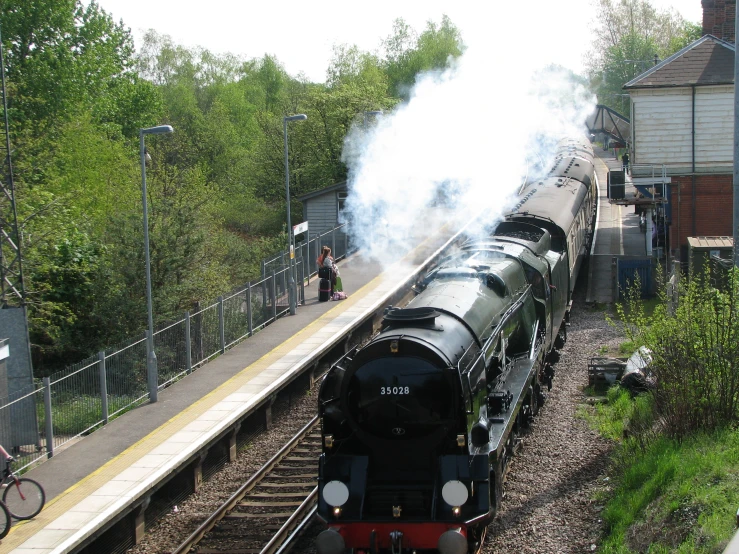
(79, 91)
(673, 485)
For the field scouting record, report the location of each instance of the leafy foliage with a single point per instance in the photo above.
(79, 95)
(695, 349)
(632, 37)
(407, 55)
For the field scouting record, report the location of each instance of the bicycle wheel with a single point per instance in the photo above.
(24, 498)
(4, 520)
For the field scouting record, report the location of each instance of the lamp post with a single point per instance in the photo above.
(375, 113)
(151, 358)
(292, 292)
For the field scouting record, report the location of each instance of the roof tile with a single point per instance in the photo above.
(707, 61)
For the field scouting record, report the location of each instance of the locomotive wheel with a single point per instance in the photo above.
(561, 339)
(535, 400)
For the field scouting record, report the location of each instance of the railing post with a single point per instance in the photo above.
(304, 251)
(221, 325)
(188, 344)
(198, 333)
(614, 278)
(152, 377)
(333, 241)
(302, 280)
(103, 386)
(264, 286)
(249, 316)
(49, 427)
(284, 273)
(274, 295)
(307, 258)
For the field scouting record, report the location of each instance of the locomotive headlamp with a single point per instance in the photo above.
(337, 511)
(335, 493)
(328, 441)
(394, 346)
(460, 440)
(397, 510)
(456, 511)
(454, 493)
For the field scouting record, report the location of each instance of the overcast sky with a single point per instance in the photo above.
(301, 33)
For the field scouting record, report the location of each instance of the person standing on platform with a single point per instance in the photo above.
(326, 263)
(625, 160)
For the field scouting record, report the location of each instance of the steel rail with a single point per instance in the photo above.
(234, 499)
(283, 537)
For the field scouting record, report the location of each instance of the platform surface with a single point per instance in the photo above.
(102, 472)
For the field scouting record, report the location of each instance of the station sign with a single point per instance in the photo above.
(300, 228)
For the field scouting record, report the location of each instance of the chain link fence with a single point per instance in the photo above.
(54, 412)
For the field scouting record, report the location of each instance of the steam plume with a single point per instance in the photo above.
(457, 148)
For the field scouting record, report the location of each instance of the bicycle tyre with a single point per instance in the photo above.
(34, 494)
(5, 521)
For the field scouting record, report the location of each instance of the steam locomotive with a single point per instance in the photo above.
(419, 423)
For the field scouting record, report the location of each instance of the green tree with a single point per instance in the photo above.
(631, 36)
(73, 103)
(407, 55)
(60, 56)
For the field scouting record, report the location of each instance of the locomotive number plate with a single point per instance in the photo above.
(395, 390)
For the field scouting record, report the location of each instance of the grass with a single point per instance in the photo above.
(648, 305)
(666, 496)
(84, 412)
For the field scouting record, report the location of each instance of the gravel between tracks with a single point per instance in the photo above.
(175, 527)
(548, 505)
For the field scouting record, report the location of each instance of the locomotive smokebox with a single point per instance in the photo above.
(452, 542)
(330, 542)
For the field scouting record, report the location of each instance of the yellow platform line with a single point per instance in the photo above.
(22, 531)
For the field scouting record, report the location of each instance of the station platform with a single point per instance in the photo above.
(617, 232)
(117, 464)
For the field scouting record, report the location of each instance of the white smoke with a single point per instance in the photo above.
(457, 148)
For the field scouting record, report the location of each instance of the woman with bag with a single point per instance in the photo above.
(326, 262)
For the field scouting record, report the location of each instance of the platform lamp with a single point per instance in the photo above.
(375, 113)
(151, 358)
(292, 286)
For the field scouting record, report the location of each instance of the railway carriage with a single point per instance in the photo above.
(419, 424)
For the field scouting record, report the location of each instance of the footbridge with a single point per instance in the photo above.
(610, 123)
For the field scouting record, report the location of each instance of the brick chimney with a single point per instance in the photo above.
(718, 18)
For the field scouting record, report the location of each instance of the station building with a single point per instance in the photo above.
(682, 132)
(682, 139)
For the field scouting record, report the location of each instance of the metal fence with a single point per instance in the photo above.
(85, 396)
(310, 249)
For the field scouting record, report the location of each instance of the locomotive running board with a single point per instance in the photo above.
(516, 382)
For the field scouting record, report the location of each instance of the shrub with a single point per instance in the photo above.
(695, 350)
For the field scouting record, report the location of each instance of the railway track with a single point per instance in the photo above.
(267, 512)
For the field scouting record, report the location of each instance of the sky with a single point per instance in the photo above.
(302, 33)
(462, 142)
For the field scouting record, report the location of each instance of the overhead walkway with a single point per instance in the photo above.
(610, 123)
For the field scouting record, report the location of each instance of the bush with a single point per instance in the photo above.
(695, 350)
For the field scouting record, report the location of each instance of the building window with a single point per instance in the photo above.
(340, 201)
